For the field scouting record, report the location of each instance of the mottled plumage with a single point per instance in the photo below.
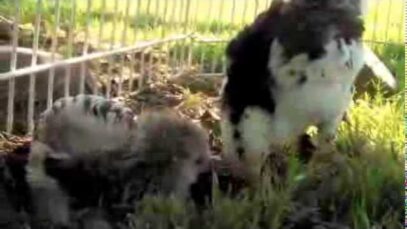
(71, 153)
(90, 152)
(171, 152)
(292, 68)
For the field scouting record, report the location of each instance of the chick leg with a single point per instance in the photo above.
(327, 134)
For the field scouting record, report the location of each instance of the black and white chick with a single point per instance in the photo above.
(70, 160)
(292, 68)
(90, 152)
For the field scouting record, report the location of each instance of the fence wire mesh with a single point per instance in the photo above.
(55, 48)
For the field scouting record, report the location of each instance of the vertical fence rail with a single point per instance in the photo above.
(123, 44)
(134, 40)
(72, 25)
(100, 37)
(150, 10)
(31, 90)
(388, 18)
(137, 14)
(203, 55)
(217, 31)
(164, 60)
(13, 67)
(244, 12)
(85, 48)
(165, 12)
(178, 28)
(194, 25)
(184, 46)
(144, 72)
(101, 23)
(131, 22)
(172, 53)
(111, 47)
(232, 19)
(403, 20)
(51, 76)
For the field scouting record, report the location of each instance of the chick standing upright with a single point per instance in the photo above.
(292, 68)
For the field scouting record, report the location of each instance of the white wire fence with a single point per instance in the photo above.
(55, 48)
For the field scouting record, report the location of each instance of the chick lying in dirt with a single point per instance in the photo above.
(89, 152)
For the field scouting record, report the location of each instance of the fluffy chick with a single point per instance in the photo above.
(292, 68)
(74, 143)
(90, 152)
(171, 153)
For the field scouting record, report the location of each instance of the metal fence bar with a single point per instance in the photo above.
(232, 19)
(403, 26)
(123, 44)
(131, 77)
(101, 23)
(244, 12)
(110, 58)
(183, 59)
(148, 11)
(13, 67)
(211, 74)
(100, 38)
(163, 31)
(72, 24)
(266, 5)
(193, 26)
(150, 66)
(137, 47)
(54, 45)
(256, 6)
(142, 70)
(388, 19)
(178, 50)
(215, 61)
(131, 56)
(85, 48)
(31, 89)
(268, 2)
(137, 14)
(151, 56)
(233, 11)
(375, 20)
(189, 52)
(172, 54)
(144, 73)
(202, 60)
(379, 42)
(157, 12)
(163, 61)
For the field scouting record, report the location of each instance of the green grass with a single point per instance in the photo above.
(359, 186)
(385, 21)
(393, 57)
(209, 56)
